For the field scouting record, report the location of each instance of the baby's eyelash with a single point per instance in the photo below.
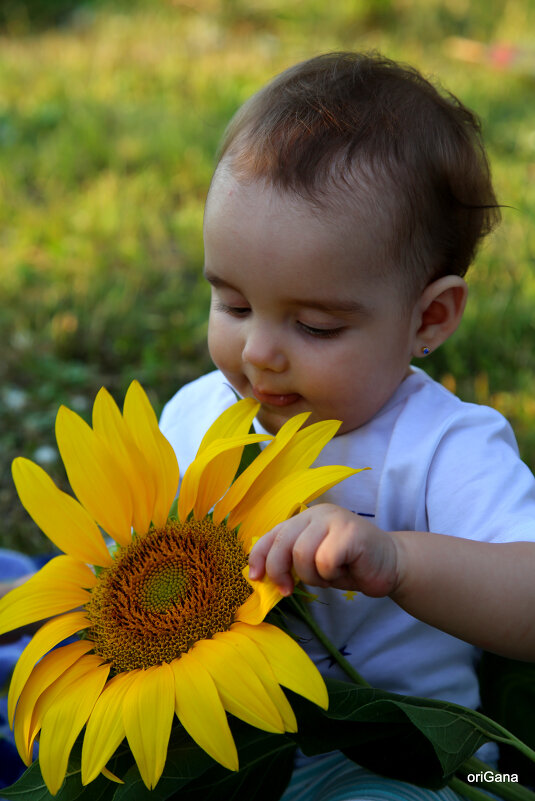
(241, 311)
(237, 311)
(321, 333)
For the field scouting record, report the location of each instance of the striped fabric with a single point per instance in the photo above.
(333, 777)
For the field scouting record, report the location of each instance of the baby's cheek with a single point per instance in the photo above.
(224, 345)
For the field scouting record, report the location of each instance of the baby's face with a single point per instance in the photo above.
(298, 319)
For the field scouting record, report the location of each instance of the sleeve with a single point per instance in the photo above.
(477, 486)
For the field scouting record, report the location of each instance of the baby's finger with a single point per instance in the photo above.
(258, 554)
(304, 553)
(278, 550)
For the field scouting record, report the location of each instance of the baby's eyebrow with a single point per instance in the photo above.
(334, 305)
(326, 305)
(215, 280)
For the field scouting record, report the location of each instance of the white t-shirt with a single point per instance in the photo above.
(437, 464)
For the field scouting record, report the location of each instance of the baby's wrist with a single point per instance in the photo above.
(400, 562)
(403, 542)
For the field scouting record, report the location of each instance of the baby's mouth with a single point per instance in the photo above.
(275, 399)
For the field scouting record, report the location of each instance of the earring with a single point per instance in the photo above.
(425, 351)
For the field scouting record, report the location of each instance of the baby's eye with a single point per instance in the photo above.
(322, 333)
(236, 311)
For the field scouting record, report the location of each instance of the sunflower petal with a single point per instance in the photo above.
(148, 711)
(40, 601)
(105, 727)
(211, 473)
(141, 421)
(49, 669)
(95, 475)
(111, 776)
(266, 595)
(64, 721)
(245, 481)
(109, 424)
(252, 654)
(241, 691)
(47, 593)
(219, 473)
(48, 636)
(56, 569)
(291, 665)
(201, 712)
(235, 420)
(84, 666)
(64, 521)
(298, 454)
(284, 499)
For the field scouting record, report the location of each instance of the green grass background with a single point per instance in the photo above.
(110, 116)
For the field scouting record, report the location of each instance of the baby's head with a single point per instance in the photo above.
(348, 179)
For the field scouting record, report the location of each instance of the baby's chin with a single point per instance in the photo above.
(272, 419)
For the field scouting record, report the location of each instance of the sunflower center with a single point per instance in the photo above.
(165, 591)
(162, 588)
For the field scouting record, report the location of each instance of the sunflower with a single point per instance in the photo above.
(168, 622)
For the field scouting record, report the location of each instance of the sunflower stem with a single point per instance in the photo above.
(299, 607)
(467, 790)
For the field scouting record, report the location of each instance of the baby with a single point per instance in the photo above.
(347, 204)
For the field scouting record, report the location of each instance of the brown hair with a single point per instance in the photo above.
(396, 145)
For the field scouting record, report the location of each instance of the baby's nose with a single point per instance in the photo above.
(264, 351)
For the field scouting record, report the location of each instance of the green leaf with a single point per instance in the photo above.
(419, 740)
(185, 761)
(31, 787)
(508, 696)
(266, 764)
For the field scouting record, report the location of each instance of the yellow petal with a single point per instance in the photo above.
(235, 420)
(148, 711)
(60, 568)
(284, 499)
(67, 524)
(56, 588)
(142, 423)
(105, 728)
(291, 665)
(49, 669)
(40, 601)
(111, 776)
(84, 666)
(219, 473)
(251, 653)
(48, 636)
(265, 596)
(298, 454)
(241, 691)
(201, 712)
(95, 475)
(109, 424)
(245, 481)
(63, 723)
(211, 473)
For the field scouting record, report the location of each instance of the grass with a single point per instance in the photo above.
(110, 116)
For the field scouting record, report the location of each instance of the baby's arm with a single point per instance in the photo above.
(481, 592)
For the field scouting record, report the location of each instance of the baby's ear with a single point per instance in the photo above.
(440, 310)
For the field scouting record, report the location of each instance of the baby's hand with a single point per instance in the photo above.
(328, 546)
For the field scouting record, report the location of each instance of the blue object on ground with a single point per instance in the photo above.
(13, 565)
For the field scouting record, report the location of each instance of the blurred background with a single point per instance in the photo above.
(110, 116)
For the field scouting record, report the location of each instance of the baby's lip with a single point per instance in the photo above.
(276, 398)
